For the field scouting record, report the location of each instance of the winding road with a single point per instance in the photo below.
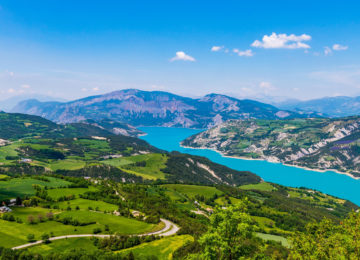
(169, 230)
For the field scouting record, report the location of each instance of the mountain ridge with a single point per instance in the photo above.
(339, 106)
(155, 108)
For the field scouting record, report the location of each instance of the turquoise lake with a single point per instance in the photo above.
(329, 182)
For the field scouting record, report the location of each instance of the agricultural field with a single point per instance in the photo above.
(84, 204)
(84, 215)
(3, 177)
(163, 248)
(148, 166)
(67, 164)
(61, 192)
(63, 245)
(263, 186)
(116, 224)
(276, 238)
(192, 190)
(20, 187)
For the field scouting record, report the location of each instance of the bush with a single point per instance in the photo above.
(31, 237)
(97, 230)
(45, 237)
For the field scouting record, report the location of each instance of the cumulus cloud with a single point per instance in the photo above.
(283, 41)
(217, 48)
(180, 55)
(338, 47)
(95, 89)
(246, 53)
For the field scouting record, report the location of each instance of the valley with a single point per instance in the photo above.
(71, 194)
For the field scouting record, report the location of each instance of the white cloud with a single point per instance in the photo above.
(217, 48)
(327, 51)
(180, 55)
(95, 89)
(84, 89)
(246, 53)
(11, 90)
(283, 41)
(338, 47)
(25, 86)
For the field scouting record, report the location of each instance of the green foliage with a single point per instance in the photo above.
(327, 240)
(230, 235)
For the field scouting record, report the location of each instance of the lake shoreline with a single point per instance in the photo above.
(285, 164)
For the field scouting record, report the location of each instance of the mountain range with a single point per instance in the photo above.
(155, 108)
(9, 103)
(340, 106)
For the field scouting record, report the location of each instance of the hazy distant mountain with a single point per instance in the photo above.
(331, 106)
(8, 104)
(156, 108)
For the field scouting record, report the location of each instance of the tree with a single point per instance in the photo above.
(230, 234)
(45, 237)
(50, 215)
(31, 219)
(18, 201)
(327, 240)
(31, 237)
(41, 218)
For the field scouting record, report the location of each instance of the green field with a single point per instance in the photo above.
(21, 187)
(13, 234)
(67, 164)
(263, 186)
(154, 163)
(3, 176)
(24, 212)
(57, 193)
(8, 150)
(117, 224)
(84, 204)
(192, 190)
(276, 238)
(163, 248)
(63, 245)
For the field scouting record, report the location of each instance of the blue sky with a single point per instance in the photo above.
(72, 49)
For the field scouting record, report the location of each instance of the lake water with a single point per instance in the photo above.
(329, 182)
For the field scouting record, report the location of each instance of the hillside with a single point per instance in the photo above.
(331, 106)
(15, 126)
(314, 143)
(92, 197)
(70, 217)
(115, 127)
(143, 108)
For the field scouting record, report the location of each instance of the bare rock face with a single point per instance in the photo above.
(143, 108)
